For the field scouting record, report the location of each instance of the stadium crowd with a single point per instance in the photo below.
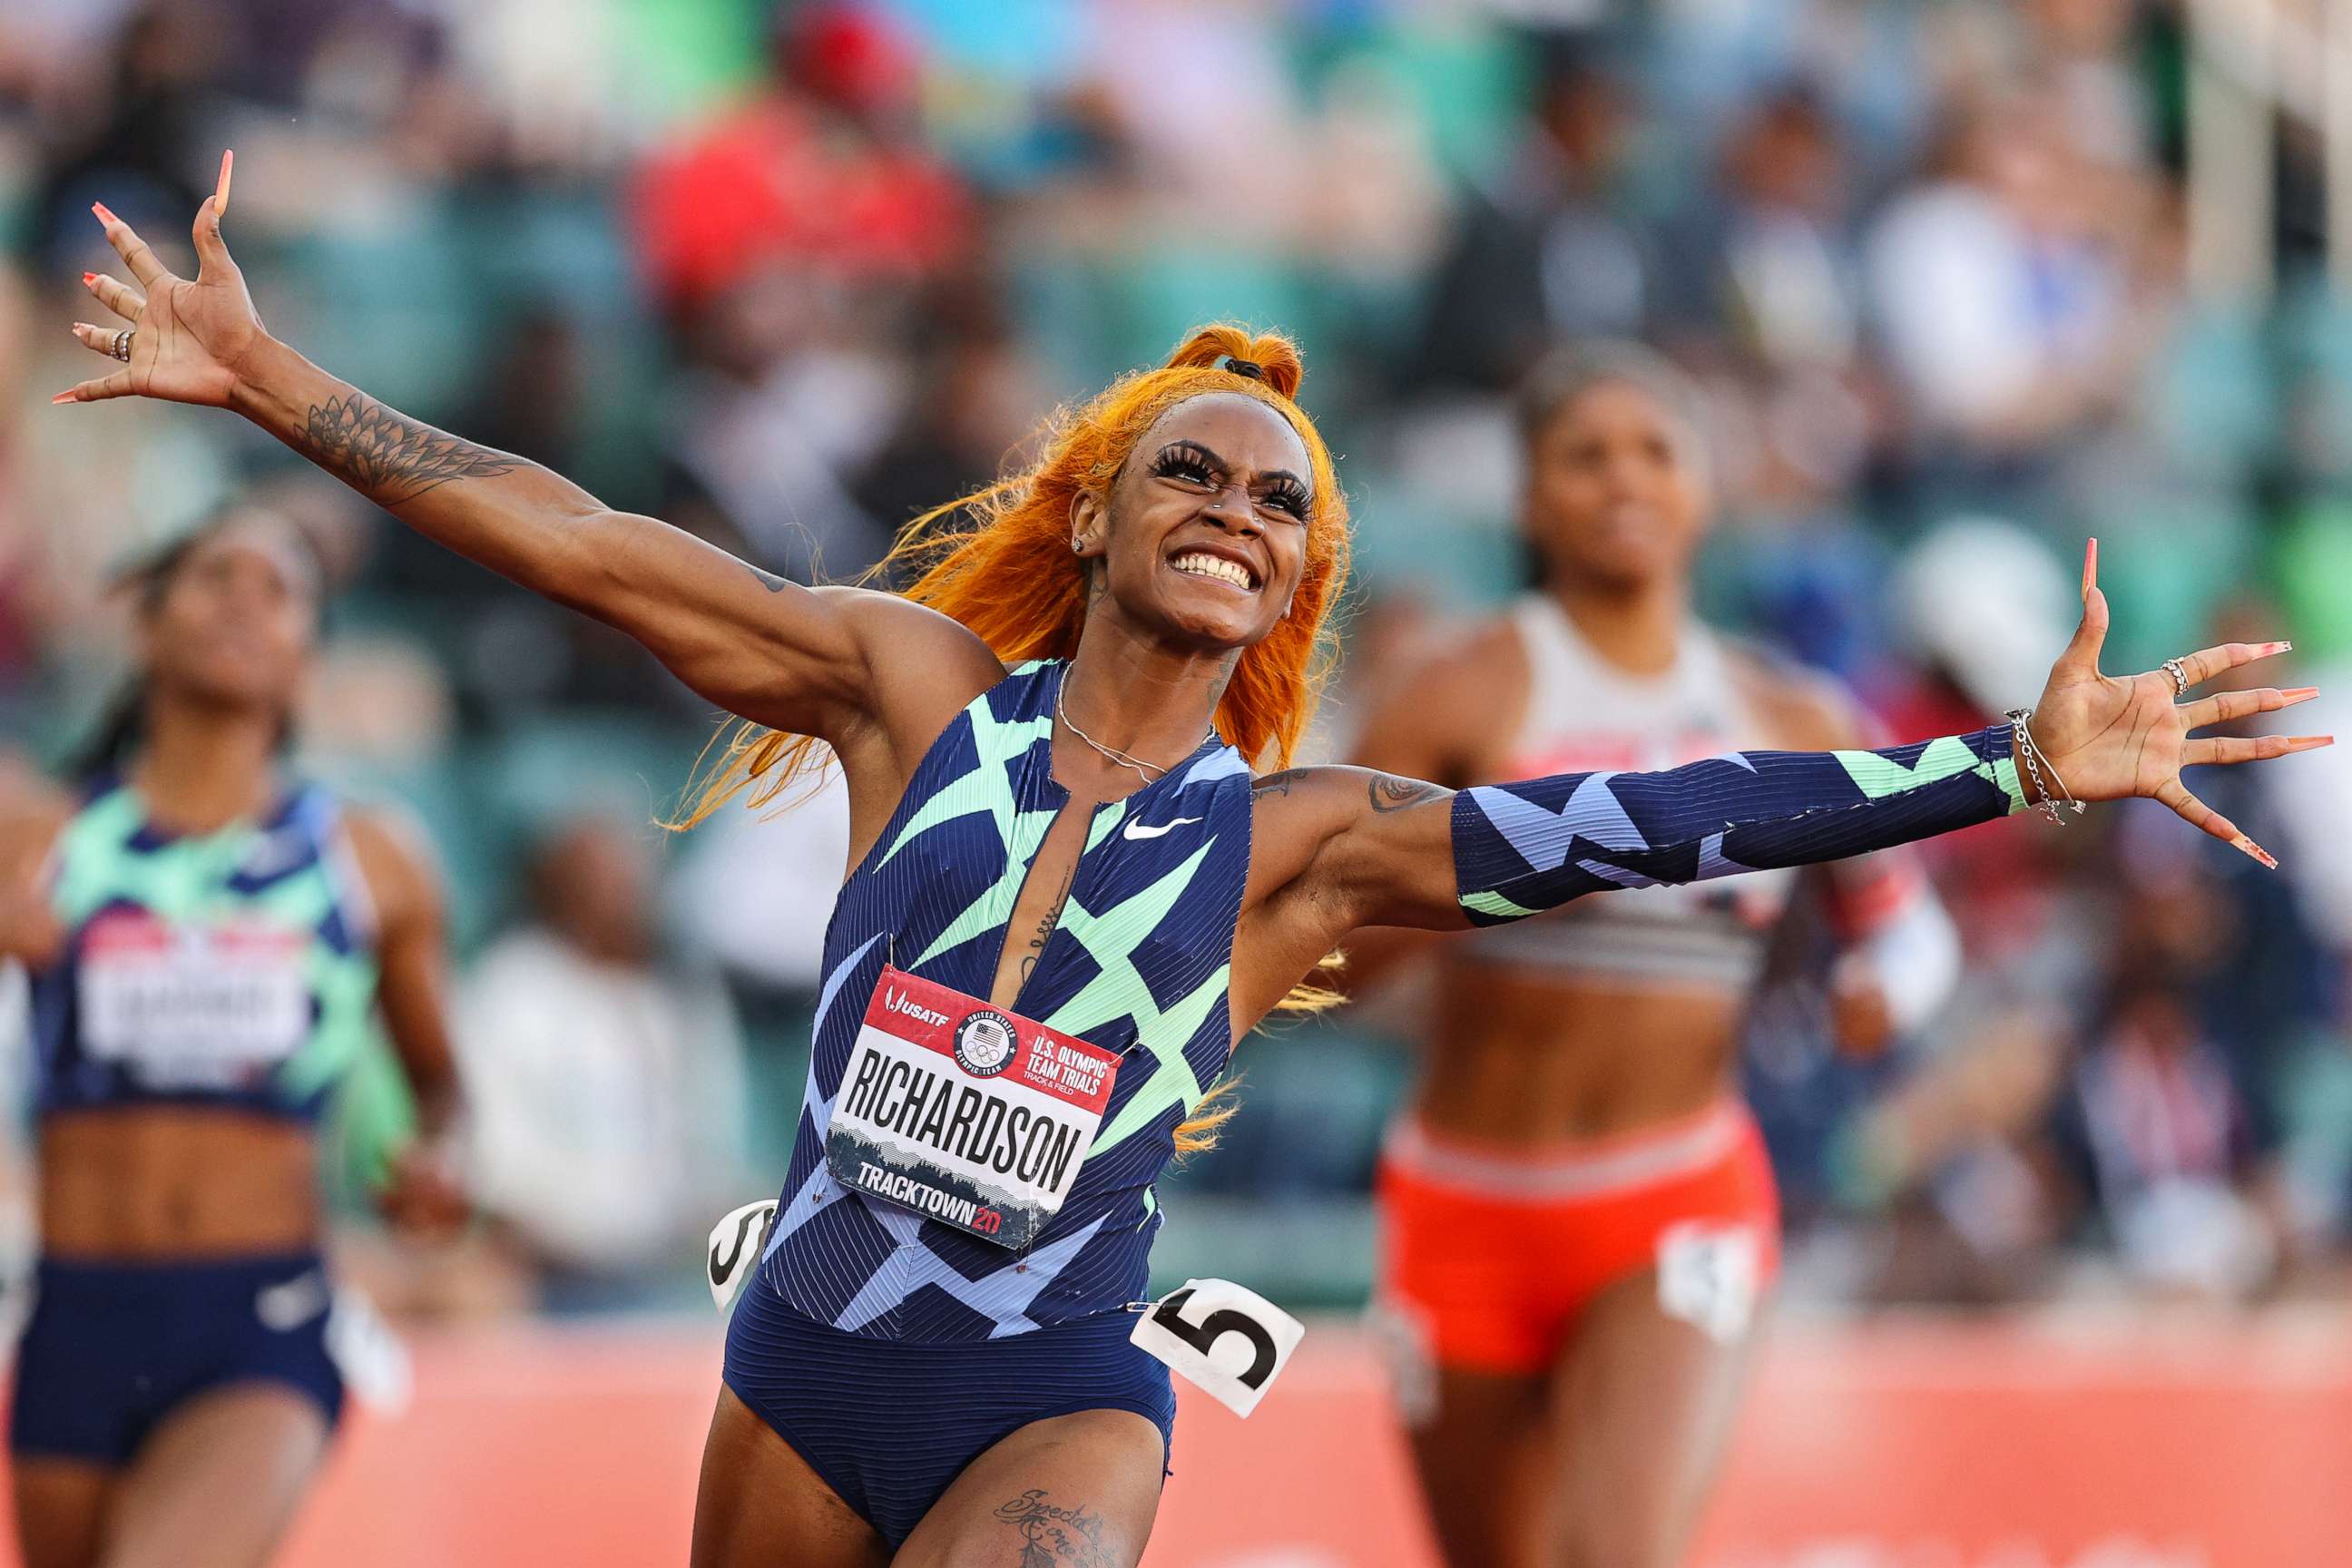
(787, 276)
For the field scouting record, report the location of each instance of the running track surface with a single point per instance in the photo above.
(2083, 1443)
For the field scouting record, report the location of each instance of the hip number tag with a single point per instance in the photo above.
(1222, 1337)
(736, 1243)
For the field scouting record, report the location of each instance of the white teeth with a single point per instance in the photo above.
(1201, 565)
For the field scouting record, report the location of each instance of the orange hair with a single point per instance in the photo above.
(999, 562)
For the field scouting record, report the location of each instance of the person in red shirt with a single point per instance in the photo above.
(822, 167)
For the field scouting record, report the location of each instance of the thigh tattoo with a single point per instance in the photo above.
(1053, 1536)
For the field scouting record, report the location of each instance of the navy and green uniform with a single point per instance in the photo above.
(890, 1350)
(232, 973)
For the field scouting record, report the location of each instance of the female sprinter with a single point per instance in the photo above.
(207, 939)
(1579, 1218)
(1069, 854)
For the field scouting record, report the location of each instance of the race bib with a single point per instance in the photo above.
(969, 1115)
(1224, 1338)
(736, 1245)
(192, 1007)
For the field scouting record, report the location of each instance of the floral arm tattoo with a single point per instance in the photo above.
(390, 457)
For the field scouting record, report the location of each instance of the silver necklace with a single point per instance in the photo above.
(1143, 770)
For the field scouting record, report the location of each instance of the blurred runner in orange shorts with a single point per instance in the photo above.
(1580, 1223)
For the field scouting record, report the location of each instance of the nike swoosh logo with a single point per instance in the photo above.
(291, 1304)
(1136, 829)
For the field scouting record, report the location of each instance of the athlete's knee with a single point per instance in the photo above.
(1632, 1531)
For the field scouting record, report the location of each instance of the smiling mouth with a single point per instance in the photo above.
(1200, 564)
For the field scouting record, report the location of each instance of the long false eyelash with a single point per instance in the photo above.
(1191, 463)
(1184, 461)
(1290, 498)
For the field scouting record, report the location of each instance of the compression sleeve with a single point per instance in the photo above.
(1522, 848)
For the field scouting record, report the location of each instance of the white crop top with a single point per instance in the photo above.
(1585, 714)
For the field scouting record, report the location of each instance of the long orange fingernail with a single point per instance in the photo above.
(103, 215)
(220, 192)
(2299, 693)
(63, 398)
(2090, 564)
(2249, 846)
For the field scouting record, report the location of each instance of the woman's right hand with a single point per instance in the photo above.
(189, 340)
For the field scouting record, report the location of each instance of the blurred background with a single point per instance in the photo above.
(1964, 281)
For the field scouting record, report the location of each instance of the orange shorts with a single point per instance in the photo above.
(1489, 1255)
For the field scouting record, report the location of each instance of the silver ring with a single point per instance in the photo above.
(121, 349)
(2179, 673)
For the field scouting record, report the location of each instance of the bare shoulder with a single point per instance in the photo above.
(924, 666)
(1804, 709)
(397, 856)
(889, 623)
(1438, 716)
(1472, 672)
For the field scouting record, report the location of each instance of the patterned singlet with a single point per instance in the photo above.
(1138, 964)
(233, 968)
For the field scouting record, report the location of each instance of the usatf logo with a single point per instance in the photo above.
(985, 1042)
(896, 1001)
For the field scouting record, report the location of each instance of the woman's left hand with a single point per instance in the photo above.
(2107, 737)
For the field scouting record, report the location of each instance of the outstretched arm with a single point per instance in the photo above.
(1386, 851)
(1522, 848)
(762, 647)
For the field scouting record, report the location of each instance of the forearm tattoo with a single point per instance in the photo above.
(389, 456)
(1053, 1536)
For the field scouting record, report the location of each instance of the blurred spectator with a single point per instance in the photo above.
(605, 1083)
(2000, 283)
(2156, 1132)
(822, 166)
(134, 124)
(977, 396)
(1546, 248)
(784, 240)
(2085, 48)
(1763, 262)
